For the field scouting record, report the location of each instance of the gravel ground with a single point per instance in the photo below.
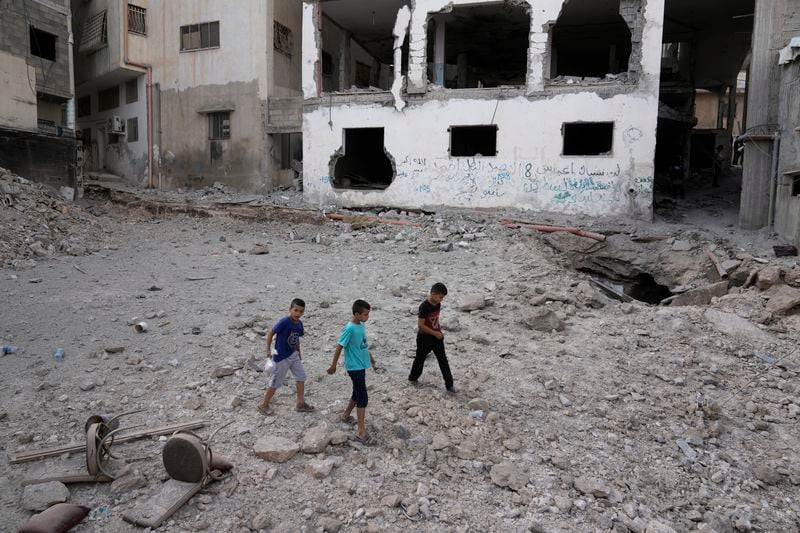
(630, 418)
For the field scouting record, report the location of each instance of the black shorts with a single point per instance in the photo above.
(359, 378)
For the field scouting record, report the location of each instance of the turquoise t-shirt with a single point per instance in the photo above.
(356, 350)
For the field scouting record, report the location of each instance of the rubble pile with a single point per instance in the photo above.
(37, 223)
(575, 411)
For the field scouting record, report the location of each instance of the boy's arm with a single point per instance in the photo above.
(371, 360)
(336, 354)
(270, 335)
(423, 328)
(298, 349)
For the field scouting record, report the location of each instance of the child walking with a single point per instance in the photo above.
(357, 359)
(287, 333)
(430, 337)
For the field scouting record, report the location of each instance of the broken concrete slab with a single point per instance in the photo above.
(701, 295)
(509, 475)
(275, 449)
(543, 320)
(782, 298)
(41, 496)
(316, 439)
(767, 277)
(472, 302)
(734, 325)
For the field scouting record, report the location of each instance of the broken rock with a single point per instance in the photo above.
(319, 469)
(734, 325)
(702, 295)
(508, 475)
(472, 302)
(592, 486)
(222, 371)
(316, 439)
(275, 449)
(42, 495)
(767, 277)
(782, 298)
(544, 320)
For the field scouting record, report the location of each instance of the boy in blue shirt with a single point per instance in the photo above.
(287, 333)
(357, 359)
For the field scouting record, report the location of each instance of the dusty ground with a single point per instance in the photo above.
(582, 423)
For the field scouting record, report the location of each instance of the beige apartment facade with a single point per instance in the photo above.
(181, 94)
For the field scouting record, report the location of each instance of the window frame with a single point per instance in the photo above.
(216, 131)
(565, 125)
(33, 37)
(132, 126)
(100, 105)
(282, 38)
(199, 30)
(137, 13)
(462, 127)
(82, 111)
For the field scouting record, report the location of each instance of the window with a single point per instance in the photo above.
(796, 186)
(133, 130)
(219, 125)
(85, 106)
(200, 36)
(108, 98)
(469, 141)
(282, 38)
(43, 44)
(588, 138)
(131, 91)
(137, 20)
(291, 145)
(94, 33)
(327, 64)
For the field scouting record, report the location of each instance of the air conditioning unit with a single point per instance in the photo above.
(116, 125)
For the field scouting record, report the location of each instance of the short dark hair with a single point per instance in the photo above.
(439, 288)
(359, 306)
(298, 302)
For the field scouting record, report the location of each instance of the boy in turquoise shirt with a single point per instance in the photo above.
(357, 359)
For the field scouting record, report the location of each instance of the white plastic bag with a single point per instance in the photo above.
(269, 366)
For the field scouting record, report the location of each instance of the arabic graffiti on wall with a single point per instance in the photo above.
(469, 179)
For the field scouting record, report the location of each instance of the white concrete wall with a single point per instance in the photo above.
(125, 158)
(529, 171)
(17, 93)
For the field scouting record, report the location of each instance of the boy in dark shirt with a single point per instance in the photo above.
(430, 337)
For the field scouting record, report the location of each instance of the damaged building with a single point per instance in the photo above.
(546, 105)
(37, 117)
(185, 93)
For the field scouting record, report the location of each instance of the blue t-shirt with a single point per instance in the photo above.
(288, 335)
(356, 350)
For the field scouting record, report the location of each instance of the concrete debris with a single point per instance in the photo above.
(782, 298)
(41, 496)
(316, 439)
(543, 320)
(509, 475)
(767, 277)
(702, 295)
(275, 449)
(472, 302)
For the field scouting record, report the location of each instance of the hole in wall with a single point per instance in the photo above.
(484, 46)
(590, 39)
(588, 138)
(470, 141)
(365, 164)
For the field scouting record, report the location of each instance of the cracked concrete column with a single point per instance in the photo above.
(310, 50)
(345, 62)
(543, 16)
(439, 58)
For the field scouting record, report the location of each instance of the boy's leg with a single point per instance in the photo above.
(299, 373)
(267, 397)
(348, 410)
(444, 365)
(423, 349)
(360, 399)
(361, 416)
(278, 374)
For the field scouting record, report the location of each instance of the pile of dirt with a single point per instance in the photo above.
(38, 222)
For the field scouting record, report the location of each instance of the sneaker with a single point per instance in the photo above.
(451, 389)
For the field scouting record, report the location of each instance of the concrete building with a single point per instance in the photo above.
(771, 180)
(36, 90)
(185, 93)
(543, 105)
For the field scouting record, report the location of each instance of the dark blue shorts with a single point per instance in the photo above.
(359, 378)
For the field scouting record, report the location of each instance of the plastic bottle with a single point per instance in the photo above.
(59, 355)
(9, 349)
